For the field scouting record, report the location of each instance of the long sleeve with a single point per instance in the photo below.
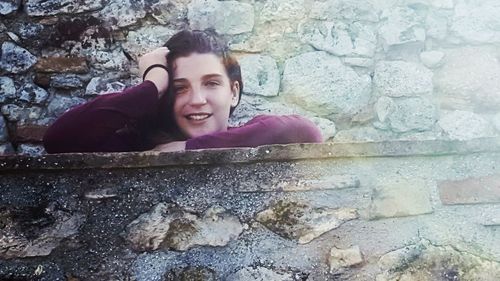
(102, 125)
(261, 130)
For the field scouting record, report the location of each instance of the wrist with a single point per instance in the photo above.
(159, 77)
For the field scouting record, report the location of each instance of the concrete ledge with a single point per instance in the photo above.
(247, 155)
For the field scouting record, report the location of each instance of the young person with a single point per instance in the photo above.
(190, 88)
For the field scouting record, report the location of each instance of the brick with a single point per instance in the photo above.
(62, 64)
(470, 191)
(29, 133)
(400, 198)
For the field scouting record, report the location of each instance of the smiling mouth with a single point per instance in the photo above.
(198, 116)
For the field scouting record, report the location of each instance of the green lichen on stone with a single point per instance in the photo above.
(180, 232)
(191, 274)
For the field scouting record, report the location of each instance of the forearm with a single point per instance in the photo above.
(262, 130)
(90, 126)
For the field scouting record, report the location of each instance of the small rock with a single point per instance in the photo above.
(66, 81)
(412, 114)
(475, 22)
(7, 89)
(30, 149)
(166, 11)
(301, 222)
(384, 107)
(277, 10)
(260, 74)
(259, 274)
(341, 258)
(9, 6)
(121, 13)
(100, 194)
(15, 113)
(227, 17)
(399, 78)
(101, 86)
(146, 39)
(33, 94)
(464, 125)
(55, 7)
(167, 226)
(432, 59)
(401, 25)
(16, 59)
(59, 104)
(191, 274)
(62, 65)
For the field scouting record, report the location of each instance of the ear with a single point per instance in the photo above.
(235, 91)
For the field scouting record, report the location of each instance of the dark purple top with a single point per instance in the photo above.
(103, 125)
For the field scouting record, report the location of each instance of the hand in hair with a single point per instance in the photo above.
(157, 74)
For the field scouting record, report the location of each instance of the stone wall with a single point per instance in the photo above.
(364, 70)
(413, 211)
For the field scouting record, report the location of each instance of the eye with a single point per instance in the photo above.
(180, 89)
(212, 83)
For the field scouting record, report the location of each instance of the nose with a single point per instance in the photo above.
(198, 97)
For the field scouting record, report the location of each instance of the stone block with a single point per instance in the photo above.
(432, 59)
(122, 13)
(342, 258)
(7, 89)
(464, 125)
(470, 191)
(226, 17)
(326, 182)
(277, 10)
(30, 149)
(260, 274)
(16, 113)
(260, 75)
(31, 93)
(59, 104)
(62, 65)
(399, 79)
(475, 21)
(146, 39)
(400, 198)
(320, 83)
(101, 86)
(354, 10)
(401, 25)
(16, 59)
(66, 81)
(55, 7)
(412, 114)
(301, 222)
(9, 6)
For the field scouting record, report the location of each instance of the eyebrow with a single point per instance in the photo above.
(205, 77)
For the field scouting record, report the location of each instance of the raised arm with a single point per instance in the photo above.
(104, 124)
(262, 130)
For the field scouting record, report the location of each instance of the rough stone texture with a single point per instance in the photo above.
(475, 21)
(359, 62)
(357, 10)
(66, 81)
(226, 17)
(468, 79)
(304, 183)
(320, 83)
(9, 6)
(301, 222)
(22, 270)
(16, 113)
(6, 149)
(401, 25)
(7, 89)
(437, 23)
(340, 39)
(427, 262)
(432, 59)
(56, 7)
(496, 122)
(146, 39)
(400, 198)
(276, 10)
(16, 59)
(341, 258)
(464, 125)
(17, 242)
(399, 78)
(259, 274)
(101, 86)
(260, 75)
(33, 94)
(114, 60)
(408, 114)
(62, 64)
(167, 11)
(122, 13)
(4, 134)
(59, 104)
(470, 191)
(167, 226)
(191, 273)
(30, 149)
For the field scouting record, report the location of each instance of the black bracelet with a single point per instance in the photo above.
(151, 67)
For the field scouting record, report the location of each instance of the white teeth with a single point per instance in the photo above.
(198, 116)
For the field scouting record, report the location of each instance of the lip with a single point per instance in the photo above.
(197, 116)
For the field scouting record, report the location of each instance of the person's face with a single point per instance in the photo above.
(204, 94)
